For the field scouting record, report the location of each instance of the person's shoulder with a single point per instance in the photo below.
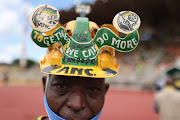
(177, 92)
(43, 117)
(161, 93)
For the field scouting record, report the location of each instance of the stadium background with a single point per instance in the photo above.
(134, 86)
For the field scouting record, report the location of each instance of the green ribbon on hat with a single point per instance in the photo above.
(60, 35)
(104, 37)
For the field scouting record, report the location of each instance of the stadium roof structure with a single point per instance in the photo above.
(160, 15)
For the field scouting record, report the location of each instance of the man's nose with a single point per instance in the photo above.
(76, 101)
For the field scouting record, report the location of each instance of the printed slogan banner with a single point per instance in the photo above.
(104, 37)
(60, 35)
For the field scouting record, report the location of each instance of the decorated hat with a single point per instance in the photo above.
(80, 47)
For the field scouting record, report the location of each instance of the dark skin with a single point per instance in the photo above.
(75, 98)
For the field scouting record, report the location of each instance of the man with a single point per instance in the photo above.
(72, 97)
(167, 102)
(77, 62)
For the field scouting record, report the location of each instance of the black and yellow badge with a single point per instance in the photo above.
(126, 22)
(75, 49)
(44, 18)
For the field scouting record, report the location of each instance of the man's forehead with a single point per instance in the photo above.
(75, 78)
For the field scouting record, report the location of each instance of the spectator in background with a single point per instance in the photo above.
(5, 78)
(167, 102)
(174, 73)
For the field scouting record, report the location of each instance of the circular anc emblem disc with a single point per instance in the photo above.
(44, 18)
(126, 22)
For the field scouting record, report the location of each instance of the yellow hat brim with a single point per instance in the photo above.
(81, 71)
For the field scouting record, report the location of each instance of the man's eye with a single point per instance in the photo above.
(94, 89)
(61, 86)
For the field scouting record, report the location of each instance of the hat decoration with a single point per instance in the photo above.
(74, 49)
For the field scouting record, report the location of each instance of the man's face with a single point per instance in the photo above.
(76, 98)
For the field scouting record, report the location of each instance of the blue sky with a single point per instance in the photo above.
(12, 33)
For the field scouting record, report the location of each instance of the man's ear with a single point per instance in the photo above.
(106, 87)
(44, 78)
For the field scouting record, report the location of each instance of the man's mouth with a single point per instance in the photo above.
(76, 116)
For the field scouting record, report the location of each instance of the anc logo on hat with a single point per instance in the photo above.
(44, 18)
(126, 21)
